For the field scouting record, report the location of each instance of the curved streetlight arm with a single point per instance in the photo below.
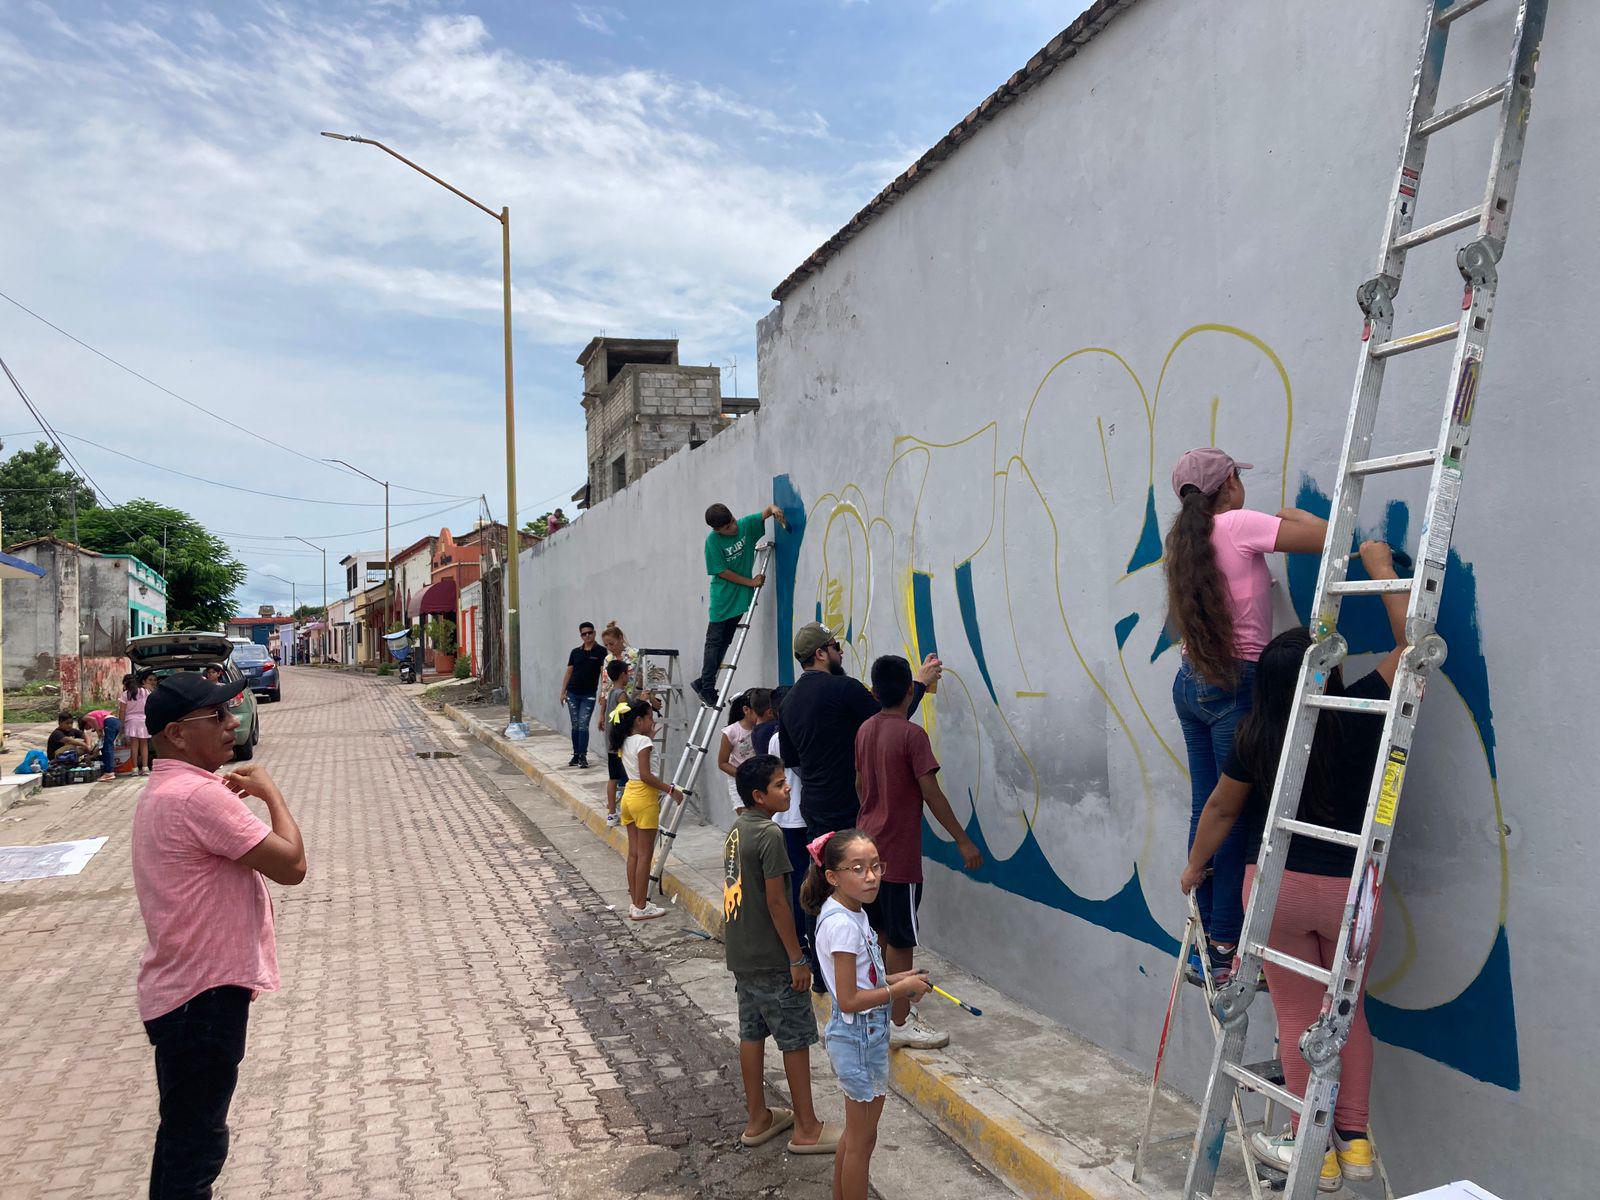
(350, 137)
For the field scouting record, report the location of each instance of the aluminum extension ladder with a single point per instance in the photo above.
(705, 727)
(1477, 260)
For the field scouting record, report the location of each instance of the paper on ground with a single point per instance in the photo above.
(46, 862)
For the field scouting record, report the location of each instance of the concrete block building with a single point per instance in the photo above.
(72, 625)
(642, 406)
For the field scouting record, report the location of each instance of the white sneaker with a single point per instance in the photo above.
(648, 913)
(1277, 1152)
(914, 1035)
(613, 820)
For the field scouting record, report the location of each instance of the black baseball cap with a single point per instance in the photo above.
(184, 692)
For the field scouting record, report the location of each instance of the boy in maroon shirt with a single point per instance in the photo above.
(896, 774)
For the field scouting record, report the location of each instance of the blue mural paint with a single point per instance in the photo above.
(969, 622)
(1149, 548)
(922, 607)
(1125, 627)
(1476, 1033)
(1366, 627)
(786, 554)
(1027, 873)
(1164, 643)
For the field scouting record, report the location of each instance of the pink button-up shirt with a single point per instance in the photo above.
(208, 919)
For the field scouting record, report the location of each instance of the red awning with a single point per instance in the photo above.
(439, 597)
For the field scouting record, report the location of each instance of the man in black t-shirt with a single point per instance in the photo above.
(817, 726)
(579, 687)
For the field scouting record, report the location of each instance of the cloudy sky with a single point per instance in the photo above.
(166, 200)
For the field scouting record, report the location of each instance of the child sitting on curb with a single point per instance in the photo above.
(771, 976)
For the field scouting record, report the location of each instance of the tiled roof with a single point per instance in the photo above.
(1060, 48)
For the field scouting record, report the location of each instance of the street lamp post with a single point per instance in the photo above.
(388, 565)
(325, 627)
(294, 603)
(516, 728)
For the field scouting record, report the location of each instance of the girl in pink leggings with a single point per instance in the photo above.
(1316, 878)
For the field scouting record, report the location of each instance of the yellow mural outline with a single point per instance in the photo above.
(905, 445)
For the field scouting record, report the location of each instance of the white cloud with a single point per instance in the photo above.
(596, 17)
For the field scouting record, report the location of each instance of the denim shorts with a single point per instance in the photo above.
(859, 1052)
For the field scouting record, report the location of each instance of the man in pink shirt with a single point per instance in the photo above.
(199, 855)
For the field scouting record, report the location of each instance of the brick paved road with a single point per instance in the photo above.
(461, 1016)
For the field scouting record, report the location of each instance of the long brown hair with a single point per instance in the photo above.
(1198, 604)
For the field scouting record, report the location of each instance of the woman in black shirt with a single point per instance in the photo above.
(1316, 878)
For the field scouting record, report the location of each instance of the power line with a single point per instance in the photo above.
(233, 487)
(353, 532)
(198, 407)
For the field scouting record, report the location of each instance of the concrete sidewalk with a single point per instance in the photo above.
(1050, 1113)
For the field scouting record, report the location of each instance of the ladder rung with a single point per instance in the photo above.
(1459, 9)
(1394, 462)
(1290, 963)
(1320, 832)
(1265, 1087)
(1349, 704)
(1438, 229)
(1457, 112)
(1271, 1070)
(1417, 341)
(1369, 587)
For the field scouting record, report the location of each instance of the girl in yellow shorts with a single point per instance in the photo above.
(631, 740)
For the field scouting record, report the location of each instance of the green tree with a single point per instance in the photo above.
(37, 493)
(310, 612)
(202, 574)
(539, 526)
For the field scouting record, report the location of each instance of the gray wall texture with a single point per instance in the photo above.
(970, 414)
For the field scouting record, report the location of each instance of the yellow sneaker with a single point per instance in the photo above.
(1355, 1157)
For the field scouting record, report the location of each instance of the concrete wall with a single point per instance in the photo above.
(974, 408)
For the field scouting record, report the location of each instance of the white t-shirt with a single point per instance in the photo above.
(742, 750)
(790, 818)
(841, 931)
(629, 754)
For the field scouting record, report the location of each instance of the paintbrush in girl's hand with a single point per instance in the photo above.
(975, 1011)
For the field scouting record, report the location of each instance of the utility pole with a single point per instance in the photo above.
(516, 728)
(74, 512)
(323, 550)
(388, 561)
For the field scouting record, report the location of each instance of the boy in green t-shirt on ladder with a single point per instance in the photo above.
(730, 557)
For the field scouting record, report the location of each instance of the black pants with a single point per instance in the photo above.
(199, 1046)
(808, 923)
(719, 636)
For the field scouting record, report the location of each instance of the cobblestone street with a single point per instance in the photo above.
(461, 1013)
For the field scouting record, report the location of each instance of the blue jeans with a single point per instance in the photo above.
(580, 709)
(1208, 715)
(108, 745)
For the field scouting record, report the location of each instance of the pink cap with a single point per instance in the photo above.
(1207, 468)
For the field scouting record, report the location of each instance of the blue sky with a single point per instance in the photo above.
(168, 200)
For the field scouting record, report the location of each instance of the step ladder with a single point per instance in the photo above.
(660, 679)
(1477, 261)
(1194, 938)
(704, 728)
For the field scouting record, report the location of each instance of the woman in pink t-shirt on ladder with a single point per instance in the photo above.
(1219, 601)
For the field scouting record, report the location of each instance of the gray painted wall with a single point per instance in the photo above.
(990, 384)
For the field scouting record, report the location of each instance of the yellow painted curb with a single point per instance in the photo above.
(1018, 1154)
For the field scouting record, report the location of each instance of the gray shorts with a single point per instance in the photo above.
(769, 1007)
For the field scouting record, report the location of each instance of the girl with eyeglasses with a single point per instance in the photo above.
(844, 876)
